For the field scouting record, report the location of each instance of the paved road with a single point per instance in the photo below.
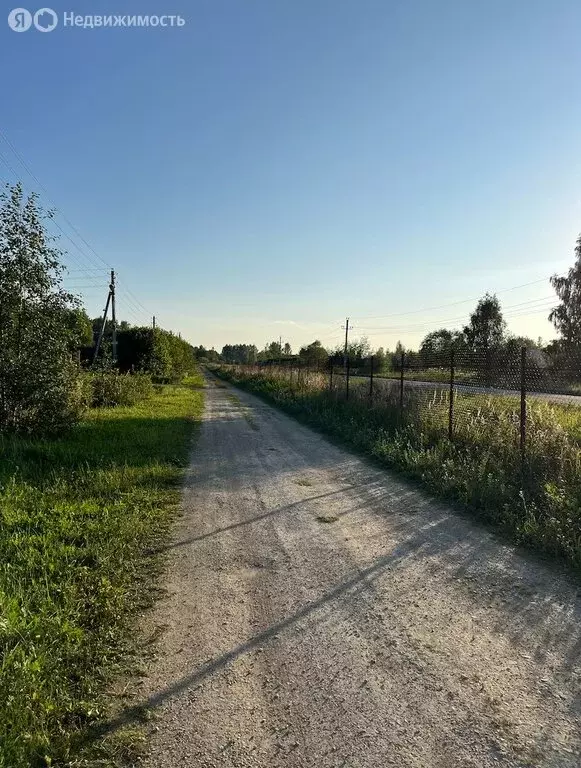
(321, 613)
(473, 389)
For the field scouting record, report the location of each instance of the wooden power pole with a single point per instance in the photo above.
(346, 344)
(110, 301)
(113, 316)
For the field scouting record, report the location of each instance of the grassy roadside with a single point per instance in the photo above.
(77, 518)
(479, 470)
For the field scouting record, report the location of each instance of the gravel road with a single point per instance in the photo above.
(320, 612)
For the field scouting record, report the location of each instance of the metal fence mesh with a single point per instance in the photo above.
(507, 400)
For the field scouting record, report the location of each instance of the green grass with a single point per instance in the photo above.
(78, 516)
(537, 503)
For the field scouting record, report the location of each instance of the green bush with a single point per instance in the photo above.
(157, 352)
(111, 388)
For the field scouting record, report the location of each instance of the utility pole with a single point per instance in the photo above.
(102, 329)
(346, 326)
(113, 317)
(154, 322)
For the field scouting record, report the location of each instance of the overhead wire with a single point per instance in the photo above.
(93, 257)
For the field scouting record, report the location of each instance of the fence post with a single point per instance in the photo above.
(347, 380)
(402, 361)
(371, 380)
(523, 406)
(451, 412)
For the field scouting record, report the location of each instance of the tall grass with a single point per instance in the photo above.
(77, 516)
(538, 503)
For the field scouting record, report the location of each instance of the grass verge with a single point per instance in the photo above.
(538, 505)
(78, 516)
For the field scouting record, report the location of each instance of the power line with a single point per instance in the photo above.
(134, 306)
(27, 168)
(462, 318)
(451, 304)
(57, 225)
(427, 326)
(86, 271)
(134, 299)
(139, 307)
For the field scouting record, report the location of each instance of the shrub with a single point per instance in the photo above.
(111, 388)
(162, 354)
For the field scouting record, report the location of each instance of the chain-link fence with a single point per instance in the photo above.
(517, 401)
(499, 431)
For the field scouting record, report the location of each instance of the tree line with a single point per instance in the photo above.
(485, 332)
(483, 344)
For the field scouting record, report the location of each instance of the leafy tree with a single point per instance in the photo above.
(435, 349)
(486, 328)
(213, 356)
(358, 350)
(314, 355)
(243, 354)
(567, 316)
(485, 335)
(537, 360)
(272, 351)
(80, 327)
(38, 378)
(380, 360)
(396, 356)
(287, 351)
(158, 352)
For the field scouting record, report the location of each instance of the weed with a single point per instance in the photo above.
(326, 518)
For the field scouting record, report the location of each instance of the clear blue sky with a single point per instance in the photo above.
(276, 165)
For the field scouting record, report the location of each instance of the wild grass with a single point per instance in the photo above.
(78, 516)
(537, 502)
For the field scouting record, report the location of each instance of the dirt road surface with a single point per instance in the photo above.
(320, 612)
